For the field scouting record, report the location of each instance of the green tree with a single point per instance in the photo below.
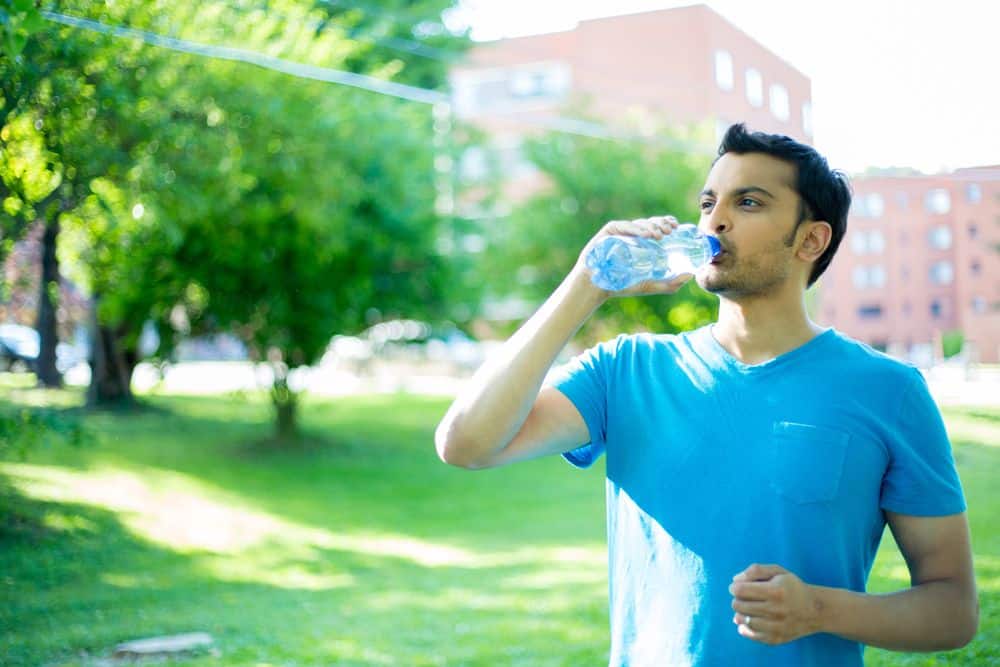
(592, 181)
(18, 20)
(192, 181)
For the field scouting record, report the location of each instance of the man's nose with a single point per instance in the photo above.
(714, 222)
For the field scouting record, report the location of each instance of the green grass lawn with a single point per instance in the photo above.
(358, 548)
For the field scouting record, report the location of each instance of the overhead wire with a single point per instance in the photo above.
(302, 70)
(439, 99)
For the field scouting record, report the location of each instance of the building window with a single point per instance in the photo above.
(940, 237)
(978, 305)
(859, 276)
(875, 205)
(475, 91)
(779, 101)
(876, 241)
(942, 273)
(721, 125)
(976, 268)
(871, 241)
(871, 312)
(859, 243)
(902, 200)
(724, 70)
(871, 205)
(973, 231)
(807, 118)
(868, 276)
(938, 201)
(936, 309)
(876, 276)
(907, 309)
(473, 166)
(973, 193)
(755, 87)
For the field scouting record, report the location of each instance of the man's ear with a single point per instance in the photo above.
(814, 239)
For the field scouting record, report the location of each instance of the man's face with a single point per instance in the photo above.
(750, 204)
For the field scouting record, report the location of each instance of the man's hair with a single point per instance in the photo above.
(825, 194)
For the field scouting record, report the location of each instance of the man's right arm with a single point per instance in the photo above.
(503, 415)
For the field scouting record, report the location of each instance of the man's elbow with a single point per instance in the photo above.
(455, 450)
(964, 626)
(969, 625)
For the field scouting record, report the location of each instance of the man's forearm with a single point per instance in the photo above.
(933, 616)
(497, 399)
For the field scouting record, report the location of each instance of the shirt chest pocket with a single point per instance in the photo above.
(807, 461)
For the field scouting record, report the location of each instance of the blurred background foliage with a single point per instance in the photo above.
(591, 182)
(201, 195)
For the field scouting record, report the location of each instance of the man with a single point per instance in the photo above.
(753, 464)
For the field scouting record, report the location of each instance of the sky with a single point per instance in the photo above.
(906, 83)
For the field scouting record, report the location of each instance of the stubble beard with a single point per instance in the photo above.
(757, 277)
(752, 277)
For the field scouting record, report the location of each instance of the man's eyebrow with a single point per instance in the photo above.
(739, 192)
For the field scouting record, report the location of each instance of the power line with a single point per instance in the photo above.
(369, 83)
(379, 86)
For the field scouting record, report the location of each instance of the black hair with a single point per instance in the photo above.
(825, 194)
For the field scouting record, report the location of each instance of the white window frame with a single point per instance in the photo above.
(754, 83)
(937, 201)
(941, 237)
(779, 102)
(725, 77)
(942, 273)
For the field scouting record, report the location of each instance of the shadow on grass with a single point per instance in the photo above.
(76, 581)
(83, 580)
(364, 465)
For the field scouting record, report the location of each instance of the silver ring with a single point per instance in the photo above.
(746, 621)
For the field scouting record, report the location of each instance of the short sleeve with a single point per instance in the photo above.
(921, 479)
(584, 381)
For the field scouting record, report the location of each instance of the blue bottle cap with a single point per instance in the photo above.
(714, 244)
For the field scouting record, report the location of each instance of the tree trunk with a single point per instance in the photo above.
(46, 324)
(285, 403)
(111, 366)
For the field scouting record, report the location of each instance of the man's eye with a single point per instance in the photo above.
(746, 201)
(705, 205)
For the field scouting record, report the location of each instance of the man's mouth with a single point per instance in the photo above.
(718, 258)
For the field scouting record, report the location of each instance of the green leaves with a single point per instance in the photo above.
(210, 195)
(19, 19)
(594, 181)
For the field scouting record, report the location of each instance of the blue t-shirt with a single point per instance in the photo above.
(713, 464)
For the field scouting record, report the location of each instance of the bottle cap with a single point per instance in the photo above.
(714, 244)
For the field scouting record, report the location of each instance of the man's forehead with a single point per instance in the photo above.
(735, 171)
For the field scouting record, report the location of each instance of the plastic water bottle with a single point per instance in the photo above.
(618, 262)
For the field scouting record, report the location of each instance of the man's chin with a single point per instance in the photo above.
(710, 283)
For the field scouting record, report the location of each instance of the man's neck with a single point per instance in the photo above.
(756, 330)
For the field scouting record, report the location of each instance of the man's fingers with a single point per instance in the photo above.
(758, 629)
(754, 609)
(679, 281)
(655, 227)
(758, 572)
(660, 286)
(751, 591)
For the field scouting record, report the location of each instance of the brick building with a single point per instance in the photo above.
(687, 65)
(921, 258)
